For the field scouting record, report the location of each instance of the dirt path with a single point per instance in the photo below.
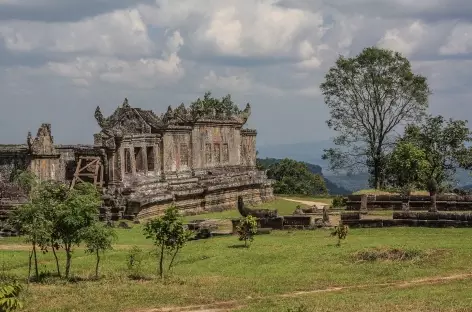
(227, 306)
(306, 202)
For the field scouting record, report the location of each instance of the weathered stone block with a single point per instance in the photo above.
(303, 222)
(350, 216)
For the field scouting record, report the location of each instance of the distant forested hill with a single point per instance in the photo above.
(311, 153)
(332, 187)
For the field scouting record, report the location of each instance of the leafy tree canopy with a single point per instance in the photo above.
(407, 167)
(294, 177)
(369, 95)
(443, 143)
(221, 107)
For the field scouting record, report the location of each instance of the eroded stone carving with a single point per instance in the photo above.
(258, 213)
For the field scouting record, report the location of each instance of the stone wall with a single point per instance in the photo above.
(394, 202)
(215, 145)
(248, 147)
(12, 157)
(410, 219)
(177, 150)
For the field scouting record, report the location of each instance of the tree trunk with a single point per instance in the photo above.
(96, 266)
(161, 262)
(68, 260)
(30, 264)
(376, 171)
(433, 207)
(36, 271)
(173, 257)
(57, 261)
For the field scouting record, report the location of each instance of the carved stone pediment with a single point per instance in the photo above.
(131, 120)
(43, 143)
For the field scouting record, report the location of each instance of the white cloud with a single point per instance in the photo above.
(267, 52)
(405, 40)
(120, 32)
(243, 28)
(143, 73)
(459, 42)
(258, 28)
(228, 82)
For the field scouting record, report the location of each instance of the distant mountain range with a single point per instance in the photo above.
(311, 153)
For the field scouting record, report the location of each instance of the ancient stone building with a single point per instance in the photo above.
(201, 159)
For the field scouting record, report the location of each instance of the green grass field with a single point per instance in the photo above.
(271, 275)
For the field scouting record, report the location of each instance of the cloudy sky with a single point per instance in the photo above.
(59, 59)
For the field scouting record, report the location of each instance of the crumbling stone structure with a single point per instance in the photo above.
(199, 160)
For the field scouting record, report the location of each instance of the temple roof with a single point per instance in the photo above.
(127, 119)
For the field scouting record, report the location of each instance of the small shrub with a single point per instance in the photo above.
(299, 308)
(339, 202)
(9, 294)
(169, 235)
(341, 232)
(389, 254)
(134, 263)
(246, 229)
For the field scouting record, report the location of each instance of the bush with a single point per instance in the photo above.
(339, 202)
(389, 254)
(134, 262)
(9, 294)
(341, 232)
(246, 229)
(169, 235)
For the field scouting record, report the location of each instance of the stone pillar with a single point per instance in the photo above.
(157, 155)
(405, 203)
(363, 208)
(117, 161)
(144, 157)
(133, 160)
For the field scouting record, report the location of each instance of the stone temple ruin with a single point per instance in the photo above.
(199, 159)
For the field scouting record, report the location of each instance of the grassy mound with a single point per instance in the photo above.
(394, 254)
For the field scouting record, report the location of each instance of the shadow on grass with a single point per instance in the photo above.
(238, 246)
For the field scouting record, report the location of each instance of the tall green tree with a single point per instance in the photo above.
(294, 177)
(75, 216)
(443, 143)
(369, 96)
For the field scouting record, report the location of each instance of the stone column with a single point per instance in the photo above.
(157, 156)
(144, 157)
(133, 160)
(363, 208)
(119, 158)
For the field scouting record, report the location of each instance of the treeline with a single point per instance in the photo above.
(378, 107)
(332, 188)
(293, 177)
